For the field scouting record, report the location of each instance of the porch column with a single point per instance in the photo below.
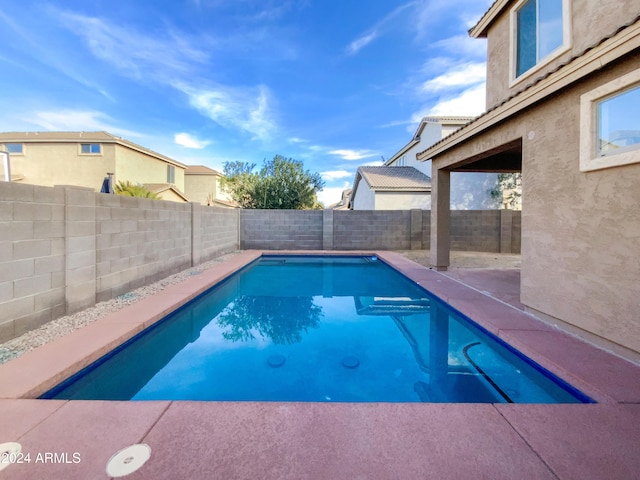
(440, 217)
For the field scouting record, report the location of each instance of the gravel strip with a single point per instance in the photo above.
(69, 323)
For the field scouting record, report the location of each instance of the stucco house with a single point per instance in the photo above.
(390, 188)
(84, 159)
(563, 96)
(203, 185)
(469, 191)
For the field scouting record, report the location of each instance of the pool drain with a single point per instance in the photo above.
(350, 362)
(9, 452)
(276, 360)
(128, 460)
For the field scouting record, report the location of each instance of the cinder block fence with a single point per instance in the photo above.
(63, 249)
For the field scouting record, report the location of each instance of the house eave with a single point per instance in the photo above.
(592, 59)
(481, 28)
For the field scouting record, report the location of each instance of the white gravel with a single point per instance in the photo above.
(67, 324)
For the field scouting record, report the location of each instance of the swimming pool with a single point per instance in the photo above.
(320, 329)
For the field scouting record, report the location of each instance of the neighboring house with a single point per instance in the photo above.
(202, 184)
(563, 96)
(469, 191)
(343, 204)
(390, 188)
(85, 158)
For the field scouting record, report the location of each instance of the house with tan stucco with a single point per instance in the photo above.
(204, 185)
(563, 96)
(85, 158)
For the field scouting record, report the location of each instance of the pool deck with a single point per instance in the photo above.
(252, 440)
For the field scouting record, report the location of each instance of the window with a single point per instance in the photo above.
(90, 148)
(609, 124)
(401, 161)
(14, 148)
(171, 174)
(540, 30)
(618, 122)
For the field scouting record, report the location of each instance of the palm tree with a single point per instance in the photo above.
(128, 189)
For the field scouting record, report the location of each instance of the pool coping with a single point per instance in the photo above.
(600, 375)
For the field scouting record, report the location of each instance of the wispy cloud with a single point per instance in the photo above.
(77, 120)
(247, 109)
(347, 154)
(332, 175)
(469, 102)
(172, 59)
(189, 141)
(460, 76)
(361, 42)
(135, 54)
(381, 27)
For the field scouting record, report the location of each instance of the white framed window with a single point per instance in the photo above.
(15, 148)
(610, 125)
(171, 174)
(541, 31)
(90, 149)
(401, 162)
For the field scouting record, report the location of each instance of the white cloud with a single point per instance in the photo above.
(77, 120)
(347, 154)
(463, 46)
(377, 163)
(470, 102)
(247, 109)
(361, 42)
(189, 141)
(137, 55)
(385, 25)
(459, 76)
(332, 175)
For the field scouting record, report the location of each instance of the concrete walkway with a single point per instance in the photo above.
(238, 440)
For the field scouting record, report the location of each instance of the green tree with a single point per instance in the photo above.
(128, 189)
(508, 189)
(281, 183)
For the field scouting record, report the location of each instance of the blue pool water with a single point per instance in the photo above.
(317, 329)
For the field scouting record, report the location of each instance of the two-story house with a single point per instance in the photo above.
(563, 96)
(85, 158)
(469, 191)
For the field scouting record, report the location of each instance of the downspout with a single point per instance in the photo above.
(7, 165)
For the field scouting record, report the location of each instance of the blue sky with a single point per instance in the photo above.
(336, 84)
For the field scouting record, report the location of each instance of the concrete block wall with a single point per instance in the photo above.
(32, 257)
(281, 229)
(371, 229)
(475, 230)
(219, 232)
(63, 249)
(139, 241)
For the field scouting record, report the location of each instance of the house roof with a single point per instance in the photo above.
(343, 204)
(392, 179)
(451, 120)
(480, 29)
(201, 170)
(77, 137)
(163, 187)
(598, 54)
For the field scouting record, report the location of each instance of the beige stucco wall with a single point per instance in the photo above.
(591, 20)
(51, 164)
(580, 230)
(136, 167)
(402, 200)
(198, 188)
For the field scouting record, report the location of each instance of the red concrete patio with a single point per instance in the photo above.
(230, 440)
